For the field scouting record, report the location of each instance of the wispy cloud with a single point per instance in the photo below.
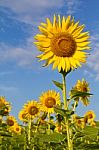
(93, 60)
(23, 56)
(4, 88)
(73, 6)
(28, 10)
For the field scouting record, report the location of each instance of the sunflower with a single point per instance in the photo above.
(93, 124)
(62, 43)
(32, 109)
(17, 129)
(10, 121)
(82, 86)
(4, 106)
(80, 123)
(48, 100)
(2, 102)
(22, 116)
(89, 116)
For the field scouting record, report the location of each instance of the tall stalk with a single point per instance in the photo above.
(48, 123)
(29, 132)
(69, 141)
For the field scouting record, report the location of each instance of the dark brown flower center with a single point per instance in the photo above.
(50, 102)
(63, 45)
(90, 116)
(10, 122)
(17, 129)
(23, 116)
(79, 121)
(84, 89)
(33, 110)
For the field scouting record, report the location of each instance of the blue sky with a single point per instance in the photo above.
(22, 77)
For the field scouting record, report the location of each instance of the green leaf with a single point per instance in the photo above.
(63, 112)
(90, 132)
(97, 124)
(76, 94)
(54, 137)
(58, 84)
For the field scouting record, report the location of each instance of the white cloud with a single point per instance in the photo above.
(93, 59)
(23, 56)
(73, 6)
(29, 10)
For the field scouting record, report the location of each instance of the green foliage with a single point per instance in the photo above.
(76, 94)
(58, 84)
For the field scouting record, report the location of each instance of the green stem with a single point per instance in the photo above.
(69, 141)
(64, 93)
(29, 132)
(48, 123)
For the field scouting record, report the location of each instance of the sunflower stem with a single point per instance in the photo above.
(69, 141)
(48, 123)
(29, 131)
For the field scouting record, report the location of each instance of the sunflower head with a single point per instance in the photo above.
(32, 109)
(10, 121)
(62, 43)
(58, 127)
(22, 116)
(2, 101)
(90, 116)
(80, 123)
(4, 106)
(81, 86)
(17, 129)
(93, 124)
(48, 100)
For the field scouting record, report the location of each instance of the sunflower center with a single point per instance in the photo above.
(23, 116)
(79, 121)
(84, 89)
(10, 122)
(17, 129)
(90, 116)
(63, 45)
(50, 102)
(33, 110)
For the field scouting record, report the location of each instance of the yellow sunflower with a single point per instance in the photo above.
(48, 100)
(80, 123)
(22, 116)
(4, 106)
(89, 116)
(82, 86)
(93, 124)
(2, 101)
(17, 129)
(58, 127)
(10, 121)
(32, 109)
(62, 43)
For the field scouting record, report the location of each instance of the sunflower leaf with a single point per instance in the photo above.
(63, 112)
(76, 94)
(58, 84)
(90, 132)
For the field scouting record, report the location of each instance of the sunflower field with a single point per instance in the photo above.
(51, 123)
